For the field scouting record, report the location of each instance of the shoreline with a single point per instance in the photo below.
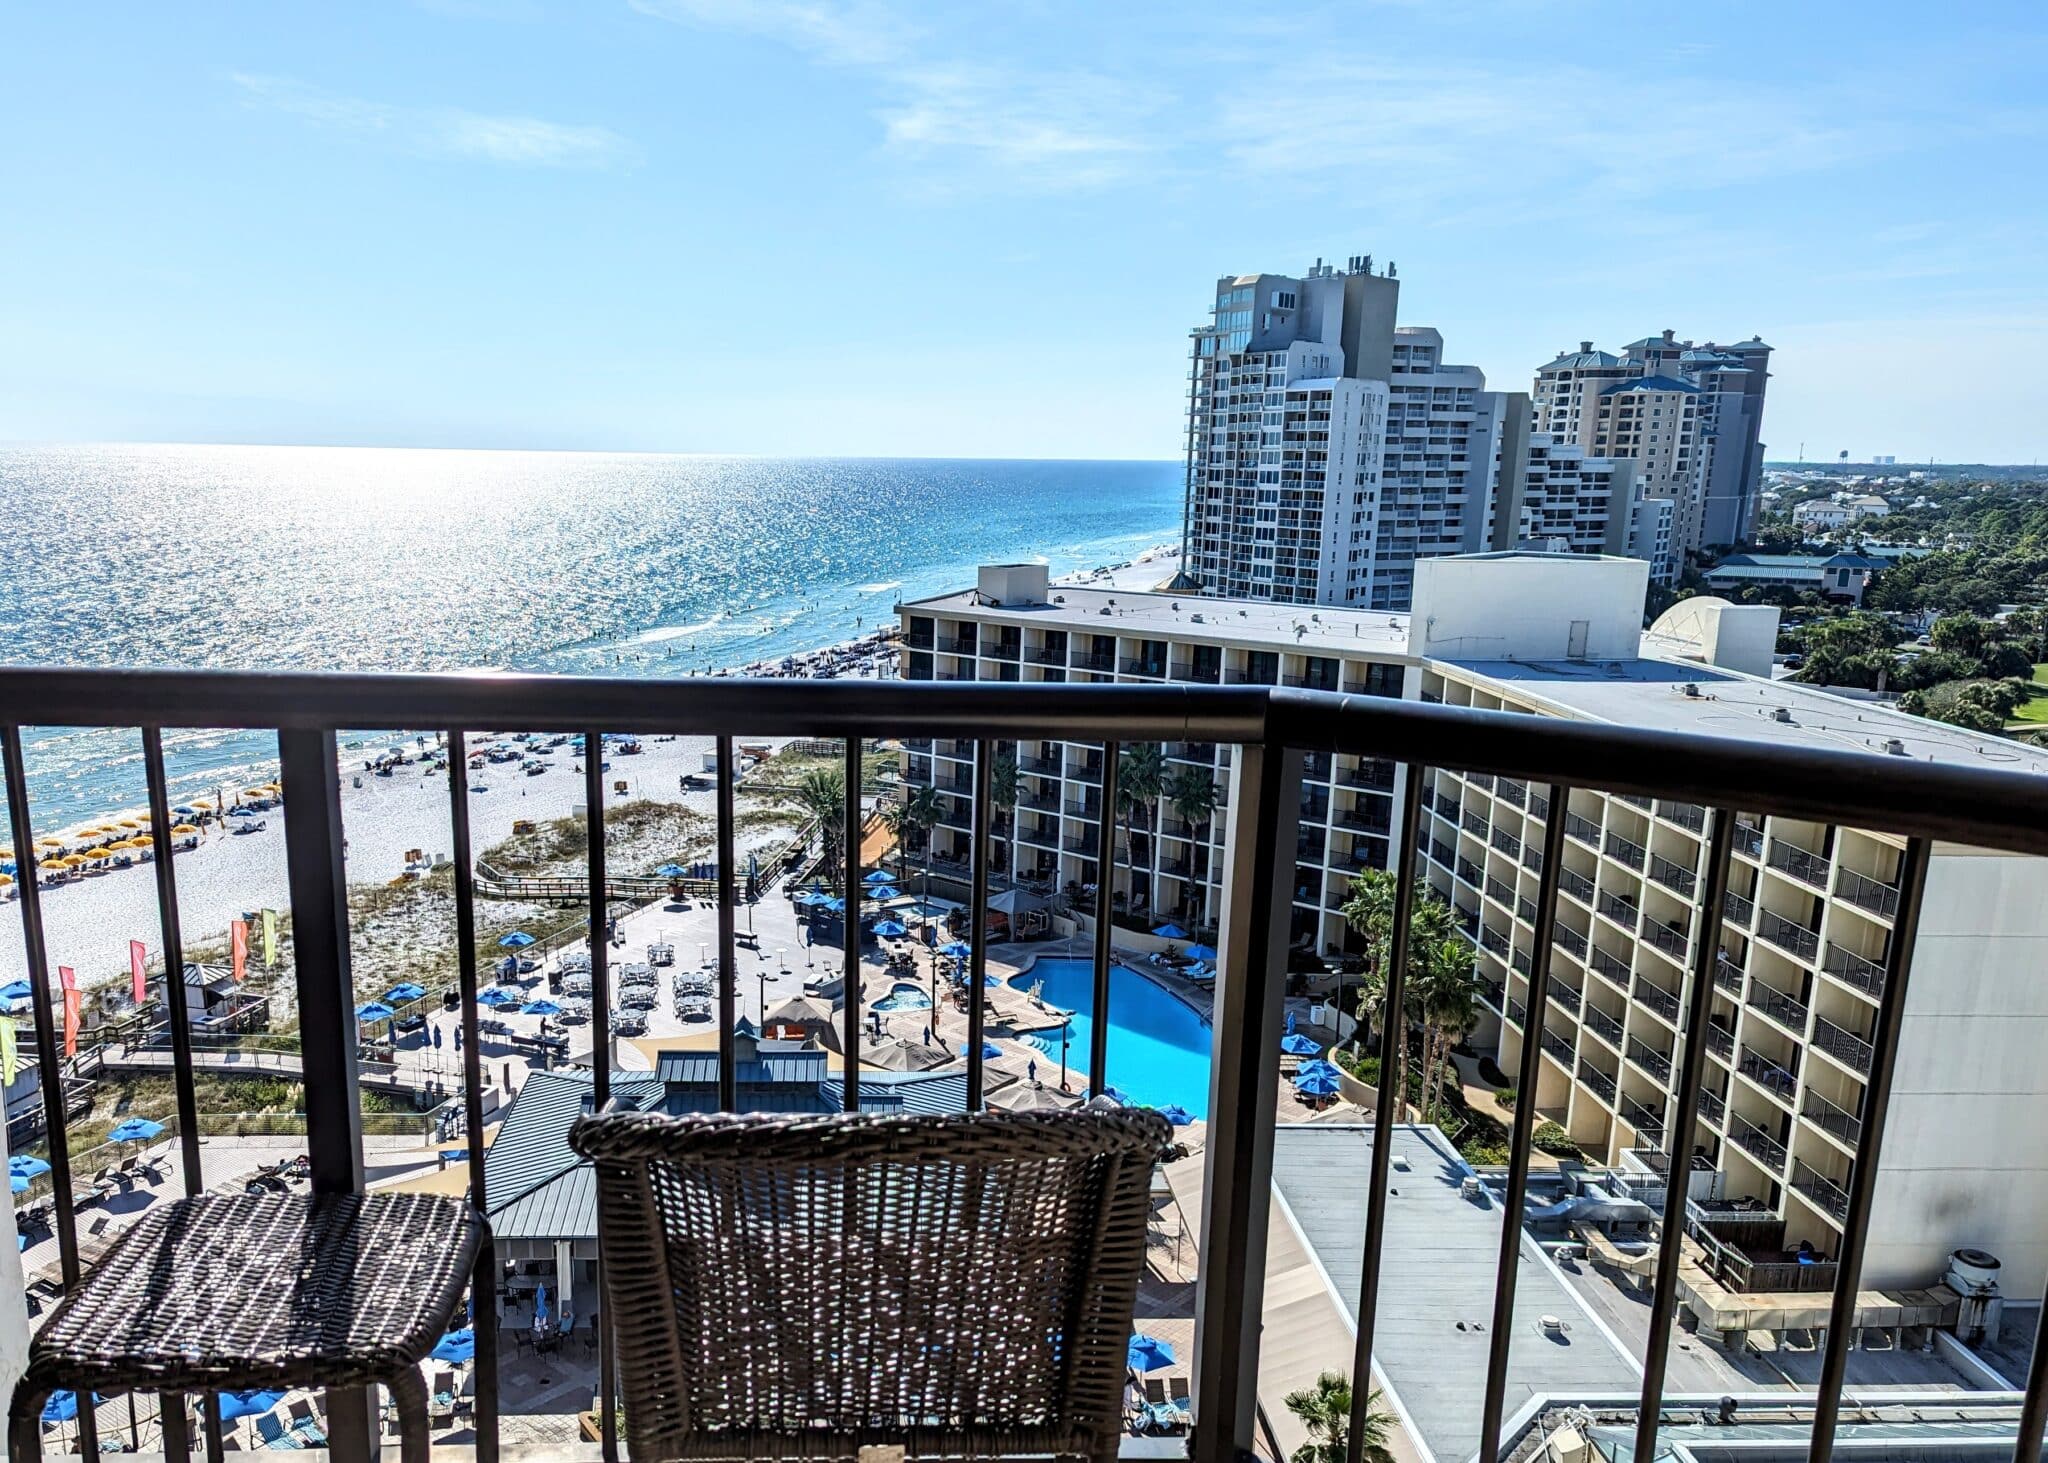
(89, 921)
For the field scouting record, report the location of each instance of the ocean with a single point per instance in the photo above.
(318, 558)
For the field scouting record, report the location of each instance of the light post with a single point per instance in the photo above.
(1066, 1035)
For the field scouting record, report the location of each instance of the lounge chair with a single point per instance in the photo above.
(1155, 1392)
(272, 1430)
(306, 1422)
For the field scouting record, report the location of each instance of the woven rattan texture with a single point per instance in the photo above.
(801, 1286)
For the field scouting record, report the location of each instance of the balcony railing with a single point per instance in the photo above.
(1270, 730)
(1867, 893)
(1832, 1198)
(1656, 1063)
(1832, 1117)
(1576, 884)
(1619, 910)
(1583, 829)
(1596, 1079)
(1613, 967)
(1673, 876)
(1757, 1143)
(1737, 908)
(1843, 1045)
(1801, 864)
(1627, 850)
(1780, 1007)
(1728, 975)
(1567, 995)
(1774, 1077)
(1852, 969)
(1793, 939)
(1663, 1002)
(1603, 1025)
(1647, 1121)
(1686, 815)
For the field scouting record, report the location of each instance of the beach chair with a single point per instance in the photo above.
(1178, 1392)
(1155, 1392)
(306, 1422)
(1043, 1272)
(274, 1434)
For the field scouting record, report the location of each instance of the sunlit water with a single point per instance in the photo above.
(596, 564)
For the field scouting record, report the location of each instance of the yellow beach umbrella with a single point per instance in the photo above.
(184, 828)
(201, 803)
(72, 860)
(51, 866)
(49, 843)
(6, 853)
(131, 822)
(96, 854)
(5, 880)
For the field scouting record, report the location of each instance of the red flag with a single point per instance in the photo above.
(137, 982)
(238, 933)
(70, 979)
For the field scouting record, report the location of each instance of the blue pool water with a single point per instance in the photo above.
(1158, 1046)
(904, 998)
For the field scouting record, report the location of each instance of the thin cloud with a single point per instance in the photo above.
(1067, 131)
(846, 32)
(440, 131)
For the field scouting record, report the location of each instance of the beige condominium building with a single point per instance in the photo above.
(1810, 912)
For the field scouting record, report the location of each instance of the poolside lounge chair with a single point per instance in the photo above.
(714, 1297)
(272, 1430)
(306, 1422)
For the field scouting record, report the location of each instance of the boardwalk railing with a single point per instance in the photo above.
(1271, 729)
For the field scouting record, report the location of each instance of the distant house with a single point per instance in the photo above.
(1825, 514)
(1835, 576)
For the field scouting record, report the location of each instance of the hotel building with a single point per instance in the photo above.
(1810, 911)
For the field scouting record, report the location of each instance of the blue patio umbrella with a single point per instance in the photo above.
(135, 1130)
(1169, 932)
(891, 928)
(807, 897)
(16, 1184)
(437, 1038)
(1201, 952)
(1296, 1045)
(1117, 1095)
(542, 1007)
(832, 902)
(63, 1406)
(958, 949)
(1174, 1113)
(517, 940)
(1290, 1023)
(671, 871)
(16, 990)
(247, 1404)
(1316, 1084)
(373, 1011)
(876, 877)
(1318, 1067)
(883, 891)
(540, 1303)
(26, 1166)
(988, 1049)
(403, 992)
(1148, 1353)
(497, 998)
(456, 1346)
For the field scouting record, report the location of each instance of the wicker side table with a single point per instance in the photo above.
(256, 1291)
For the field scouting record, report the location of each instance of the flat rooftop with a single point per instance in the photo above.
(1651, 693)
(1253, 624)
(1436, 1282)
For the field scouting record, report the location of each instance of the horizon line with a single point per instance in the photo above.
(23, 442)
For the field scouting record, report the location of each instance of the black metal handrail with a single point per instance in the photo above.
(1802, 864)
(1756, 1142)
(1867, 893)
(1781, 1008)
(1656, 1063)
(1853, 969)
(1271, 728)
(1843, 1045)
(1673, 876)
(1596, 1079)
(1831, 1117)
(1792, 938)
(1603, 1025)
(1657, 998)
(1832, 1198)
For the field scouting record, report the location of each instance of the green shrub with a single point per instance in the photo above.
(1551, 1138)
(1506, 1097)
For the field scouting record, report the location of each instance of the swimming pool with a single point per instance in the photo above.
(904, 997)
(1158, 1046)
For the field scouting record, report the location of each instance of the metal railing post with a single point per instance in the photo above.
(600, 1056)
(1386, 1109)
(850, 928)
(1531, 1071)
(977, 916)
(483, 1286)
(1237, 1175)
(318, 883)
(176, 1016)
(1105, 863)
(728, 934)
(1877, 1097)
(1678, 1142)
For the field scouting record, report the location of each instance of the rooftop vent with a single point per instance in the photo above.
(1196, 617)
(1550, 1326)
(1782, 713)
(1692, 689)
(1894, 747)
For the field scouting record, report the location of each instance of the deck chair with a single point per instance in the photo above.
(731, 1242)
(306, 1422)
(271, 1429)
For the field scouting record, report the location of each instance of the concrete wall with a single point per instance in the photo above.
(1965, 1158)
(1524, 607)
(1013, 584)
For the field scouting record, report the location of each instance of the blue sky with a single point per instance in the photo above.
(866, 226)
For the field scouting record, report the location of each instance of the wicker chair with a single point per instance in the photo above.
(236, 1292)
(806, 1286)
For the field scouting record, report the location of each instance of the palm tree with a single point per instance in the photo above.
(1447, 988)
(1141, 774)
(1191, 793)
(1370, 911)
(821, 794)
(1325, 1411)
(1002, 794)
